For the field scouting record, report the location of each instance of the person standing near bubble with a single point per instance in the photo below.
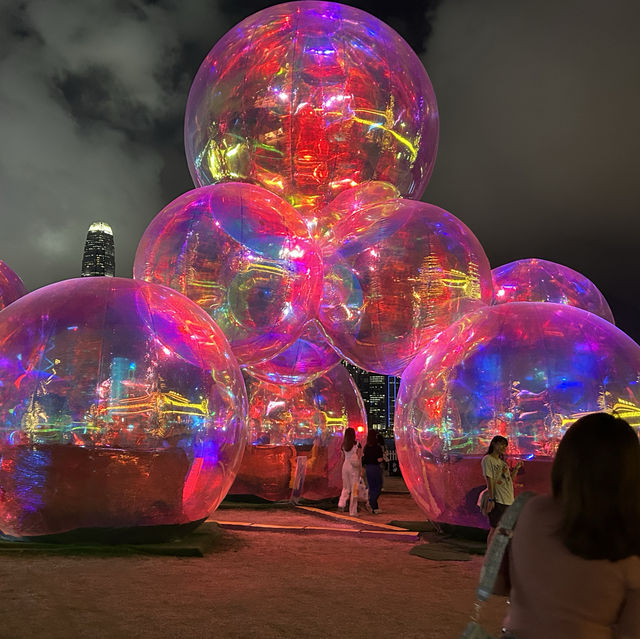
(499, 480)
(351, 470)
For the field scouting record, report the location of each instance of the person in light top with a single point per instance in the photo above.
(499, 478)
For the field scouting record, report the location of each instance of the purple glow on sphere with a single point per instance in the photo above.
(11, 286)
(121, 405)
(308, 357)
(523, 370)
(401, 272)
(308, 99)
(244, 256)
(535, 280)
(299, 421)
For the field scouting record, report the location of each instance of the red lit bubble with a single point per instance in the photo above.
(11, 286)
(121, 406)
(308, 99)
(353, 200)
(535, 280)
(244, 256)
(523, 370)
(298, 421)
(401, 272)
(308, 357)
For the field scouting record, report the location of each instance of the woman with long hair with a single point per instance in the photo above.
(575, 555)
(499, 478)
(372, 457)
(351, 470)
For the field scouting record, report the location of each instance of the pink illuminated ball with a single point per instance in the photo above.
(121, 407)
(310, 98)
(244, 256)
(295, 424)
(308, 357)
(401, 272)
(535, 280)
(355, 199)
(11, 286)
(523, 370)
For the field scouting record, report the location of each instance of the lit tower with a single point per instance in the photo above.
(99, 254)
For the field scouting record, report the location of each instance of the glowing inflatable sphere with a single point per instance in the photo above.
(402, 271)
(244, 256)
(534, 280)
(11, 286)
(308, 357)
(301, 425)
(307, 99)
(523, 370)
(121, 406)
(353, 200)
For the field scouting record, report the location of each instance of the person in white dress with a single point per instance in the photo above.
(351, 471)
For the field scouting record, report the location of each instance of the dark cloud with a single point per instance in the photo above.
(539, 134)
(92, 96)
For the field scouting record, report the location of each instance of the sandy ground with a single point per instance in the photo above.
(252, 584)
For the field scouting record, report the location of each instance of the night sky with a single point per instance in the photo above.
(539, 125)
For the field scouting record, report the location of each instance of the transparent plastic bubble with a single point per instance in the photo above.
(287, 423)
(310, 356)
(244, 256)
(523, 370)
(11, 286)
(402, 272)
(121, 405)
(308, 99)
(353, 200)
(535, 280)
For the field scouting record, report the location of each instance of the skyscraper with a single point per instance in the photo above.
(379, 396)
(99, 253)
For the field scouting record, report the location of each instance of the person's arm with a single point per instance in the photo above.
(515, 469)
(628, 626)
(490, 486)
(490, 489)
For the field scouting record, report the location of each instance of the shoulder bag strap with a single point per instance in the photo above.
(498, 547)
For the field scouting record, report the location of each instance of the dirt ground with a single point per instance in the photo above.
(252, 584)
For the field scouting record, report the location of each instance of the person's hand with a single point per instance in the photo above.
(490, 505)
(519, 465)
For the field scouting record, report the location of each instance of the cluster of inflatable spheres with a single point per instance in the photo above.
(311, 133)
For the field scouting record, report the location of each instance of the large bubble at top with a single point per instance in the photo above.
(121, 405)
(535, 280)
(523, 370)
(11, 286)
(400, 272)
(289, 425)
(243, 255)
(307, 99)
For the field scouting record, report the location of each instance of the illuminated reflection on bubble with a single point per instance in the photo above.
(244, 256)
(121, 406)
(299, 421)
(11, 286)
(308, 99)
(522, 370)
(535, 280)
(401, 272)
